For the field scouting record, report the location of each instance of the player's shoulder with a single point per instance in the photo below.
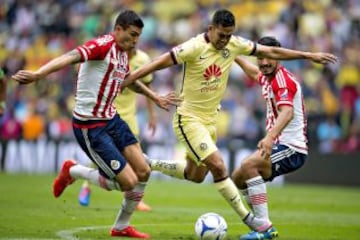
(199, 41)
(236, 41)
(140, 58)
(102, 41)
(285, 74)
(141, 54)
(285, 79)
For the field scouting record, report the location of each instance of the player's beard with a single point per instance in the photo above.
(268, 69)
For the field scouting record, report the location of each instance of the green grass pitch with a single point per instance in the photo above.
(29, 211)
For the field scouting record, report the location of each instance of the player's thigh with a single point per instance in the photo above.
(101, 150)
(285, 160)
(199, 139)
(136, 160)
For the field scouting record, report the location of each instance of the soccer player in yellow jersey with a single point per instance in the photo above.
(126, 106)
(207, 59)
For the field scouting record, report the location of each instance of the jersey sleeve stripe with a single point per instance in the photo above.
(83, 53)
(172, 54)
(253, 51)
(280, 79)
(280, 103)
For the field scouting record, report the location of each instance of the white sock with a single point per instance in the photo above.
(258, 196)
(128, 206)
(245, 194)
(229, 191)
(94, 177)
(169, 167)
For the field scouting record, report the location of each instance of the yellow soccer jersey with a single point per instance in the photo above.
(206, 72)
(126, 101)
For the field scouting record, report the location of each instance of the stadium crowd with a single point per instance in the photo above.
(31, 34)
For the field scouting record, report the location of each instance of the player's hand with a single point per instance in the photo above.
(165, 102)
(25, 77)
(152, 125)
(265, 146)
(323, 58)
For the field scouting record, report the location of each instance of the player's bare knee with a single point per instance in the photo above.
(217, 169)
(238, 178)
(143, 174)
(196, 179)
(129, 184)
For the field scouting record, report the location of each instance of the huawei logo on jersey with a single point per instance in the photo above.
(212, 71)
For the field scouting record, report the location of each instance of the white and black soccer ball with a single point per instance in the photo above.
(211, 226)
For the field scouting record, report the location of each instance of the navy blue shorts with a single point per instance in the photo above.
(285, 160)
(103, 141)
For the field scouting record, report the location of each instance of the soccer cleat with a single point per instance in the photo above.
(129, 231)
(143, 207)
(64, 178)
(271, 233)
(84, 196)
(257, 224)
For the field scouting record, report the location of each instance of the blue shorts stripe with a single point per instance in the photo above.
(282, 154)
(285, 160)
(104, 143)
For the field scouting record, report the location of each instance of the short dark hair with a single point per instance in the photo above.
(269, 41)
(224, 18)
(128, 18)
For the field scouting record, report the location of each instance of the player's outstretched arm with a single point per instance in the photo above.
(25, 76)
(250, 69)
(280, 53)
(158, 63)
(152, 120)
(163, 102)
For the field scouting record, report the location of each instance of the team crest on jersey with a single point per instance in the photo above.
(283, 94)
(203, 146)
(225, 53)
(115, 164)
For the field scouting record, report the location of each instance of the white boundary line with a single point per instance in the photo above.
(69, 234)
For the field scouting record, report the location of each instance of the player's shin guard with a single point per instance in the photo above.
(131, 200)
(229, 191)
(258, 196)
(169, 167)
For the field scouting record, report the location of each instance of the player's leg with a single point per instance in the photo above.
(230, 193)
(251, 175)
(248, 178)
(84, 194)
(85, 189)
(101, 149)
(199, 139)
(131, 150)
(132, 198)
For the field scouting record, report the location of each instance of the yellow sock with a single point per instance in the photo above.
(229, 191)
(170, 167)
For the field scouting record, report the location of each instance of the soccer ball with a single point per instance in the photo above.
(211, 226)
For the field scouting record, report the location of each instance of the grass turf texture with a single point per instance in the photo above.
(29, 211)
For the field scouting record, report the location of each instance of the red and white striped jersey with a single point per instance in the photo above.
(284, 89)
(104, 67)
